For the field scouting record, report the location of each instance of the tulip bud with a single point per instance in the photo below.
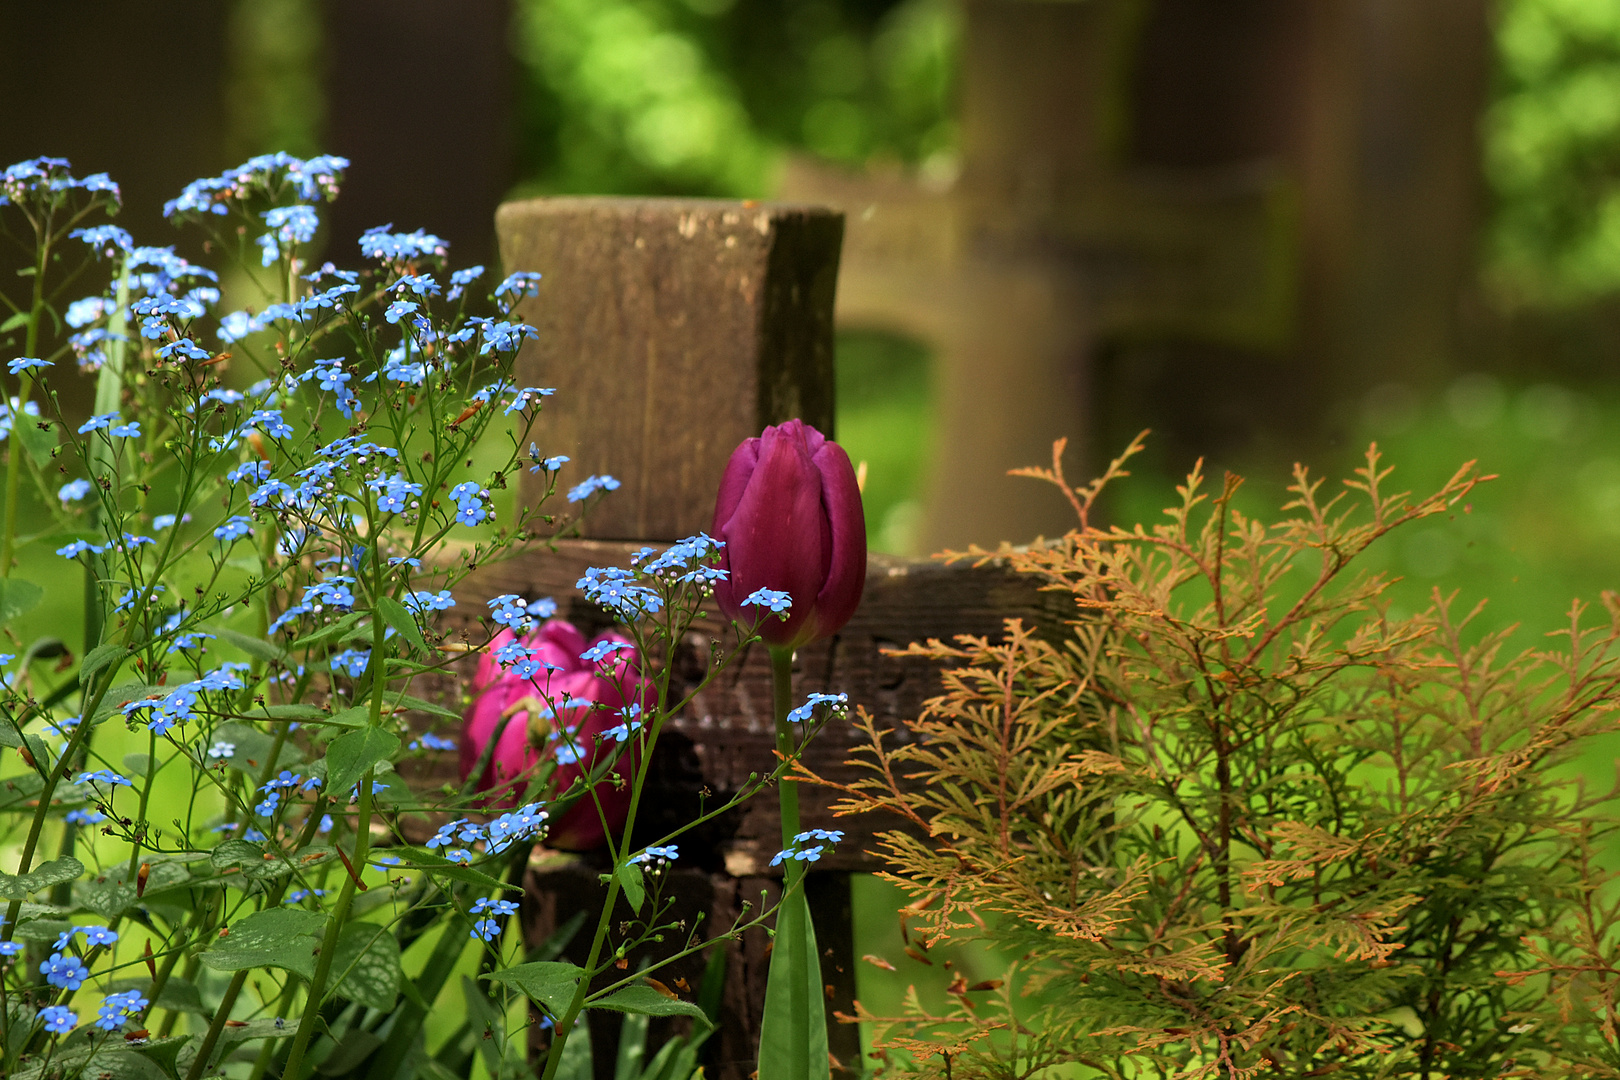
(565, 677)
(789, 511)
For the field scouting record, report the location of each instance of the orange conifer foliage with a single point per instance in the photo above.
(1241, 820)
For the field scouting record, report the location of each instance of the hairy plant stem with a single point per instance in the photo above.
(362, 847)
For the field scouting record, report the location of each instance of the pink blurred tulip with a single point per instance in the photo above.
(564, 677)
(789, 511)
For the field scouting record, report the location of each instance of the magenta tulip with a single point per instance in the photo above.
(563, 678)
(789, 511)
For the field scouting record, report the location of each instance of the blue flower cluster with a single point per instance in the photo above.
(523, 662)
(64, 970)
(305, 312)
(550, 464)
(686, 562)
(395, 494)
(602, 650)
(352, 662)
(689, 562)
(590, 486)
(331, 592)
(180, 703)
(472, 503)
(524, 398)
(58, 1019)
(380, 244)
(46, 180)
(516, 287)
(769, 598)
(104, 776)
(107, 241)
(117, 1008)
(618, 590)
(267, 176)
(805, 847)
(621, 732)
(497, 835)
(668, 853)
(837, 703)
(511, 611)
(289, 226)
(422, 601)
(489, 928)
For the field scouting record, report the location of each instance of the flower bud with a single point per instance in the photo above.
(789, 511)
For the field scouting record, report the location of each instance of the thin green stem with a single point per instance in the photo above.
(199, 1065)
(146, 798)
(268, 1050)
(565, 1023)
(362, 847)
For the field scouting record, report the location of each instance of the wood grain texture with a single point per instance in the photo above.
(672, 329)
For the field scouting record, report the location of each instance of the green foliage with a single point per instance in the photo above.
(885, 419)
(698, 96)
(237, 629)
(1238, 818)
(1553, 149)
(275, 937)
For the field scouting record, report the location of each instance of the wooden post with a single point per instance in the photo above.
(672, 330)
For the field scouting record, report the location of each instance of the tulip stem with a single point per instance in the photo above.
(794, 961)
(782, 695)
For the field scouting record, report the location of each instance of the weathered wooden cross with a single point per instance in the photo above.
(672, 330)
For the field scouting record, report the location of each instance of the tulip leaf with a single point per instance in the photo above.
(351, 756)
(793, 1042)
